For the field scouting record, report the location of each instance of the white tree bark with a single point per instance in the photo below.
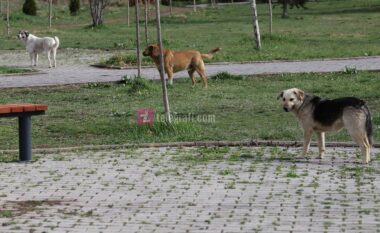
(137, 19)
(161, 68)
(255, 22)
(194, 5)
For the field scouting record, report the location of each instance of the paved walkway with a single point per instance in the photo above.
(192, 190)
(73, 68)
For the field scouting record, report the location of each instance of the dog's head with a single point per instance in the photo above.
(152, 50)
(23, 35)
(291, 99)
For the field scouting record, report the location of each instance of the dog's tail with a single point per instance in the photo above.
(368, 125)
(56, 45)
(211, 53)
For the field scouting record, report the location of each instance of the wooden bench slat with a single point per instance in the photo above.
(24, 107)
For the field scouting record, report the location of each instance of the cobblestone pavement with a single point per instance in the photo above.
(192, 190)
(73, 68)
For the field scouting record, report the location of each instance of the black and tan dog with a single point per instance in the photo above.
(321, 115)
(174, 61)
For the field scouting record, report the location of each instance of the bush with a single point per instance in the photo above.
(74, 7)
(29, 7)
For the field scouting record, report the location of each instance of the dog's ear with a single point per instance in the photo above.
(280, 95)
(300, 94)
(155, 50)
(26, 33)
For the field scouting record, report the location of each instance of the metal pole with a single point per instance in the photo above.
(25, 137)
(161, 69)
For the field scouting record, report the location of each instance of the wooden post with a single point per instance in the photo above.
(8, 24)
(161, 68)
(146, 21)
(270, 17)
(137, 18)
(255, 22)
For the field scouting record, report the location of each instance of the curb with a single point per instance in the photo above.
(253, 143)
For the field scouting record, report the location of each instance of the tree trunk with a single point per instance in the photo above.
(1, 7)
(270, 17)
(50, 12)
(171, 7)
(97, 8)
(137, 18)
(8, 24)
(146, 21)
(255, 22)
(285, 9)
(161, 68)
(128, 15)
(194, 5)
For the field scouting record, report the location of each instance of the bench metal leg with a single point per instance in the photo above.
(25, 137)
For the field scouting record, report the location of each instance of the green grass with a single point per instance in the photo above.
(326, 29)
(13, 70)
(228, 110)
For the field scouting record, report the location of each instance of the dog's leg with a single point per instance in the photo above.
(192, 76)
(169, 72)
(48, 55)
(321, 144)
(54, 55)
(31, 55)
(36, 59)
(202, 74)
(355, 127)
(307, 138)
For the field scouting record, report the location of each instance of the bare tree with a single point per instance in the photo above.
(128, 12)
(137, 18)
(8, 24)
(255, 22)
(270, 17)
(50, 12)
(146, 21)
(97, 9)
(285, 9)
(161, 68)
(171, 7)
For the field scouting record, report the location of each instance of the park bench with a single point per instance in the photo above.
(24, 112)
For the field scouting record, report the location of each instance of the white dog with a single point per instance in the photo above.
(35, 45)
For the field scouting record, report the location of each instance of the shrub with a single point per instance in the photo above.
(29, 7)
(74, 7)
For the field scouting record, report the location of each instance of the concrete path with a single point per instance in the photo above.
(192, 190)
(73, 68)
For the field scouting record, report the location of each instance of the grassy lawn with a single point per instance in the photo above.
(242, 107)
(326, 29)
(13, 70)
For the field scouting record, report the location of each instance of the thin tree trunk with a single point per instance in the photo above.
(161, 69)
(50, 12)
(255, 22)
(270, 17)
(1, 7)
(137, 18)
(194, 5)
(171, 7)
(285, 9)
(128, 15)
(8, 24)
(146, 22)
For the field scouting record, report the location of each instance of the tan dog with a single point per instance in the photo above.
(321, 115)
(175, 61)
